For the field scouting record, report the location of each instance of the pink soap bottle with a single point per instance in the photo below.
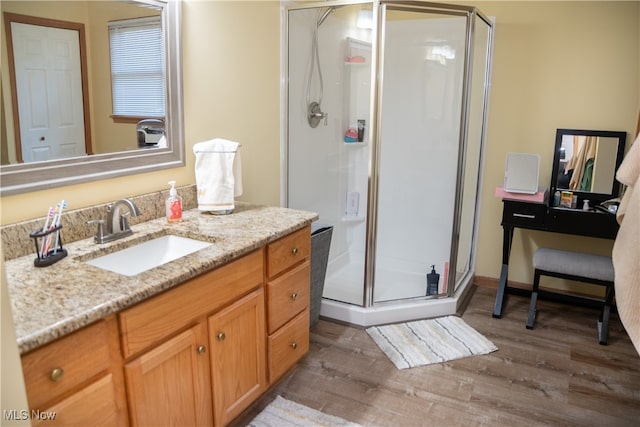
(173, 204)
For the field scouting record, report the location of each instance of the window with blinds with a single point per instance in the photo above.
(137, 67)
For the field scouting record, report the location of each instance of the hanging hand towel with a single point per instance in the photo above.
(218, 175)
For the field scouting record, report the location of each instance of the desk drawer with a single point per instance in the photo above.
(520, 214)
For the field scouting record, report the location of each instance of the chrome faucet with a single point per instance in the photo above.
(116, 226)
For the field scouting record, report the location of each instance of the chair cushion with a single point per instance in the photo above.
(574, 263)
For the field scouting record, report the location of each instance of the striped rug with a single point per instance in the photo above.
(424, 342)
(286, 413)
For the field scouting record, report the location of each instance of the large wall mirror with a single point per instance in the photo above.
(585, 163)
(108, 144)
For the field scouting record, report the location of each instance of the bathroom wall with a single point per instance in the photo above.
(556, 64)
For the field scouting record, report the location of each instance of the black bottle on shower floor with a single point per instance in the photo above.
(433, 279)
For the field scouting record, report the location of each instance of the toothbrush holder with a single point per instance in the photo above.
(49, 248)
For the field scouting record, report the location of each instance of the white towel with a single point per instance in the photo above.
(218, 174)
(626, 255)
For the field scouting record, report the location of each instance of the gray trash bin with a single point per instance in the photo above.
(320, 244)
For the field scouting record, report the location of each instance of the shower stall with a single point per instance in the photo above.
(385, 112)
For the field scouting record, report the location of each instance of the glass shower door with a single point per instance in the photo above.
(328, 164)
(421, 101)
(476, 122)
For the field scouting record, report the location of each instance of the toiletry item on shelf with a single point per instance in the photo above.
(173, 204)
(356, 59)
(556, 198)
(585, 205)
(351, 135)
(361, 130)
(353, 201)
(566, 197)
(574, 201)
(433, 279)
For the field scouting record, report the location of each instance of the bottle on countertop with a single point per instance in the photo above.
(173, 204)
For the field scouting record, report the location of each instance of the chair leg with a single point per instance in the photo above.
(603, 324)
(534, 299)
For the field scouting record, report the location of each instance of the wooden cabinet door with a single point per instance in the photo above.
(93, 405)
(170, 385)
(238, 356)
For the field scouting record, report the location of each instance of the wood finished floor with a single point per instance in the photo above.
(554, 375)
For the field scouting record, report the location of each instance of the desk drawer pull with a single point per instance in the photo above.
(519, 215)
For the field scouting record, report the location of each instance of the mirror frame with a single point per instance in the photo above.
(594, 198)
(27, 177)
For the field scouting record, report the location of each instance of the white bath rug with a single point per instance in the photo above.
(424, 342)
(286, 413)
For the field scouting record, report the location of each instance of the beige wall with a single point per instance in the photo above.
(556, 64)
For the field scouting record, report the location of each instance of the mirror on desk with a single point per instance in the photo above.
(585, 163)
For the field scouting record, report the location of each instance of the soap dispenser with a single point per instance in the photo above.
(433, 279)
(173, 204)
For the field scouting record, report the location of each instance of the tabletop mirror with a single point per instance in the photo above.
(585, 163)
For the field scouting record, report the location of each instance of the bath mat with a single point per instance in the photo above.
(424, 342)
(285, 413)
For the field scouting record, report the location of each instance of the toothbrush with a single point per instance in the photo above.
(63, 206)
(46, 245)
(50, 216)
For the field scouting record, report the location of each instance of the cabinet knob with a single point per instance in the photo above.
(294, 251)
(294, 296)
(221, 336)
(201, 349)
(57, 374)
(294, 345)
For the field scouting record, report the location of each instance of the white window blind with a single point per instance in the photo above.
(137, 67)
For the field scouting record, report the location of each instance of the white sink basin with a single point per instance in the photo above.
(147, 255)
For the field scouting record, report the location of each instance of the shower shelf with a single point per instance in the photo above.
(351, 218)
(355, 144)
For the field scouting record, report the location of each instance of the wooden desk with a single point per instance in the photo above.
(535, 216)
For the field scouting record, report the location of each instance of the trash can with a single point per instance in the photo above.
(320, 244)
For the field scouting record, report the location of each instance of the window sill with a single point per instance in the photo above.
(134, 119)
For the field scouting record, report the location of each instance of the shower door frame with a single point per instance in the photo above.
(377, 78)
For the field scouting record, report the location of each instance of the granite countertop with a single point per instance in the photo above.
(50, 302)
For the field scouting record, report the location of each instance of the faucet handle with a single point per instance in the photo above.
(124, 221)
(99, 237)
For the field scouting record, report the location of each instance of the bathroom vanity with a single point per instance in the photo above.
(194, 341)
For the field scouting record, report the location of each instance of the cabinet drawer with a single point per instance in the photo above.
(94, 405)
(151, 321)
(288, 251)
(288, 345)
(64, 364)
(287, 296)
(520, 214)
